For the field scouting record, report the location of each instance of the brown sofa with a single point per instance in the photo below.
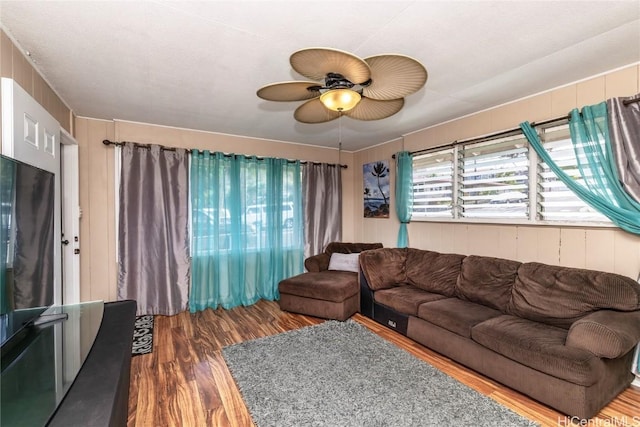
(563, 336)
(320, 292)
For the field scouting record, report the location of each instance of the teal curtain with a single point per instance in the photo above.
(246, 228)
(404, 194)
(599, 187)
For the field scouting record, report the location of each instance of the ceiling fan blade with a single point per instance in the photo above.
(289, 91)
(373, 109)
(314, 112)
(316, 63)
(394, 77)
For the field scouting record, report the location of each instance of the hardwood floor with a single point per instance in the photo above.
(185, 381)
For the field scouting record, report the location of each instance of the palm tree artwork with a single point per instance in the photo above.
(376, 189)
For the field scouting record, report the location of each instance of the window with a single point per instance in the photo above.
(494, 178)
(500, 180)
(256, 216)
(236, 205)
(555, 201)
(433, 185)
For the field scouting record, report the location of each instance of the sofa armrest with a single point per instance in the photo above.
(606, 333)
(317, 263)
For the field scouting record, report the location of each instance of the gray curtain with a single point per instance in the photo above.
(322, 201)
(624, 129)
(153, 233)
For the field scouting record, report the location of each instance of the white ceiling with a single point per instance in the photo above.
(198, 64)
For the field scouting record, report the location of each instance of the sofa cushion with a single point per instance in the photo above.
(433, 271)
(344, 262)
(405, 299)
(349, 248)
(328, 285)
(561, 295)
(320, 262)
(540, 347)
(456, 315)
(487, 281)
(384, 268)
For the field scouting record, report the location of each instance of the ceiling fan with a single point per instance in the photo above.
(372, 88)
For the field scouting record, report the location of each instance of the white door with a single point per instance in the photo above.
(69, 170)
(30, 134)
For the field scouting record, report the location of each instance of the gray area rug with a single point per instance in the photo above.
(341, 374)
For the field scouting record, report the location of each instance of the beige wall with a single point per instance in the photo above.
(97, 185)
(607, 249)
(14, 64)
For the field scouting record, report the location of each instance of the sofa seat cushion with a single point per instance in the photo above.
(539, 346)
(328, 285)
(405, 299)
(456, 315)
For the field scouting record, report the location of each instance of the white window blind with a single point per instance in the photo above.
(555, 201)
(433, 185)
(493, 178)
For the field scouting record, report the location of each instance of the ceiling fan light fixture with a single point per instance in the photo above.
(340, 99)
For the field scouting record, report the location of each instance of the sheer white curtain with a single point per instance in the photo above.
(322, 202)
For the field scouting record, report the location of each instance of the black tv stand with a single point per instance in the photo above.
(99, 395)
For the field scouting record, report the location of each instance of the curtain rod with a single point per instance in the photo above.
(162, 147)
(631, 101)
(486, 137)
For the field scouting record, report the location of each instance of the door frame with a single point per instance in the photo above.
(71, 214)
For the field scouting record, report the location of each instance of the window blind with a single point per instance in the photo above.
(433, 185)
(555, 201)
(494, 178)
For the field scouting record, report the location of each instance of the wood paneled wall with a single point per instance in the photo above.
(607, 249)
(14, 64)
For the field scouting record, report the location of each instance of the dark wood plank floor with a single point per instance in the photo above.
(185, 381)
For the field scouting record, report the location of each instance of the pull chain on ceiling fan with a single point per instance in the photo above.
(341, 83)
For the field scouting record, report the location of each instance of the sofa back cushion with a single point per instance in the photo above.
(561, 295)
(349, 248)
(487, 281)
(384, 268)
(433, 271)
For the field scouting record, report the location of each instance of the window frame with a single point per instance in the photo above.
(532, 217)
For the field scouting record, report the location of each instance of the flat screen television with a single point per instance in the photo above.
(27, 196)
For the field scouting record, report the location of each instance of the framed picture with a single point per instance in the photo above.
(376, 189)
